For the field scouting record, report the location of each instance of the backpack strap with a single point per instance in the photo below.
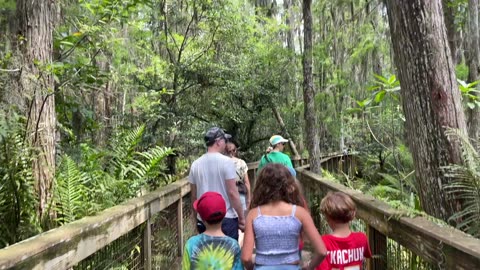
(267, 159)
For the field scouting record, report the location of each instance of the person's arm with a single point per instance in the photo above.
(289, 162)
(234, 197)
(248, 195)
(230, 175)
(315, 238)
(248, 242)
(193, 196)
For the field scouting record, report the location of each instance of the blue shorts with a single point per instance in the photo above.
(229, 227)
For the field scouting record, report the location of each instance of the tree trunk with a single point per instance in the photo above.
(285, 132)
(313, 142)
(101, 102)
(35, 27)
(287, 5)
(473, 61)
(452, 33)
(430, 96)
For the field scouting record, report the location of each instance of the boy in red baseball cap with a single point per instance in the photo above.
(211, 249)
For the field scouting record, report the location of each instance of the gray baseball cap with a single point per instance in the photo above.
(216, 133)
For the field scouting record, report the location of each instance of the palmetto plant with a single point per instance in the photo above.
(465, 185)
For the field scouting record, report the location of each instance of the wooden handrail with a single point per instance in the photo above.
(439, 245)
(66, 246)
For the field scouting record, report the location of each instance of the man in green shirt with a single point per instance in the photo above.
(276, 156)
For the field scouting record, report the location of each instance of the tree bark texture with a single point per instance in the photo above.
(452, 33)
(430, 95)
(285, 132)
(101, 102)
(35, 44)
(287, 5)
(313, 141)
(473, 61)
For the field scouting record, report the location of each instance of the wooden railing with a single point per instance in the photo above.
(149, 232)
(397, 240)
(96, 242)
(440, 246)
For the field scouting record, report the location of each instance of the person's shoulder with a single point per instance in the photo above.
(241, 161)
(193, 240)
(360, 236)
(221, 157)
(227, 161)
(301, 212)
(281, 155)
(195, 237)
(234, 243)
(198, 160)
(326, 237)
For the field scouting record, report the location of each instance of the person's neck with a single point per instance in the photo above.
(212, 150)
(214, 229)
(341, 229)
(276, 150)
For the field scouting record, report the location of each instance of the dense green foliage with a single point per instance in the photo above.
(137, 82)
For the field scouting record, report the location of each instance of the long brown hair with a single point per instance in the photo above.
(275, 183)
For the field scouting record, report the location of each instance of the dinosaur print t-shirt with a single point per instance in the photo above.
(211, 252)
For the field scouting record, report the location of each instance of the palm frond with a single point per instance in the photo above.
(465, 184)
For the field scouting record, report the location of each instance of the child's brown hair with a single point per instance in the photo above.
(338, 206)
(275, 183)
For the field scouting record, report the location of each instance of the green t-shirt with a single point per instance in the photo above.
(275, 157)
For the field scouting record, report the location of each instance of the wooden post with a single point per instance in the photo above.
(147, 245)
(378, 246)
(295, 163)
(180, 225)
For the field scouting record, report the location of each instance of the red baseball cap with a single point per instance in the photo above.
(211, 207)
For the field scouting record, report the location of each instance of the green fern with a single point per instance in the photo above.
(70, 200)
(18, 200)
(148, 166)
(465, 185)
(123, 148)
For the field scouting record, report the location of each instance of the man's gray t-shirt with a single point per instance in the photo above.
(209, 173)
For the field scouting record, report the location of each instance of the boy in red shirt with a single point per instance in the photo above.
(346, 249)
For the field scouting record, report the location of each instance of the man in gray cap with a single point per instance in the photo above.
(214, 171)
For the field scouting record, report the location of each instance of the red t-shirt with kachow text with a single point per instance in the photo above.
(345, 253)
